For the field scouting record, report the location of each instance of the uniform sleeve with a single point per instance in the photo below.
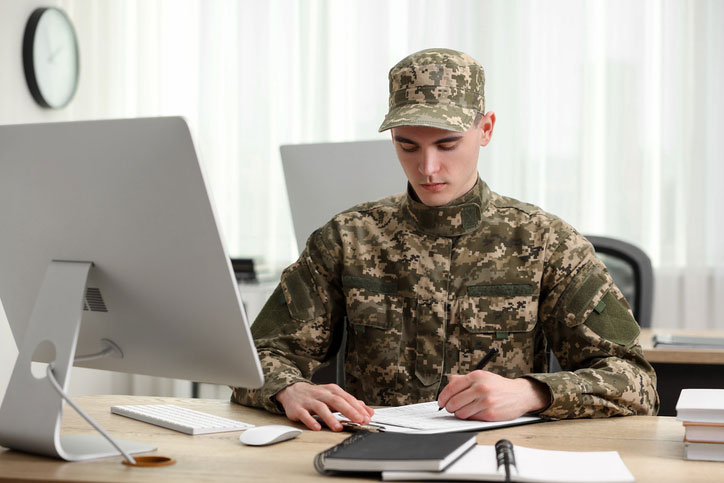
(299, 327)
(591, 329)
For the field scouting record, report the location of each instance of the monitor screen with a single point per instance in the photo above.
(325, 179)
(128, 196)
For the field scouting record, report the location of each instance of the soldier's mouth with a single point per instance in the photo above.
(433, 186)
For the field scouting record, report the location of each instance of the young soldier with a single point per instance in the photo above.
(432, 279)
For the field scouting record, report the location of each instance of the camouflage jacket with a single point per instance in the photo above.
(426, 291)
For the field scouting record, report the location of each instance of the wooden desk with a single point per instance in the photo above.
(650, 446)
(683, 368)
(681, 356)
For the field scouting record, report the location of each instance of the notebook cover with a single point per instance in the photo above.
(368, 451)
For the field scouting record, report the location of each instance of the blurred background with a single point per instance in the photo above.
(609, 113)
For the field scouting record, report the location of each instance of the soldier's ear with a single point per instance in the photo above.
(486, 128)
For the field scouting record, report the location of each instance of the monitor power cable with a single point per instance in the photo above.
(51, 378)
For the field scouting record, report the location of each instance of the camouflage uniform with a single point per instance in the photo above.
(426, 291)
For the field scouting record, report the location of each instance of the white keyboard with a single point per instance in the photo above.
(180, 419)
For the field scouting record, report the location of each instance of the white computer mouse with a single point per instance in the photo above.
(273, 433)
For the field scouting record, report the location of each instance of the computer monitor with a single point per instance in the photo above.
(110, 240)
(325, 179)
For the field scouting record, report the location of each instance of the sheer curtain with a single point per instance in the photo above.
(609, 113)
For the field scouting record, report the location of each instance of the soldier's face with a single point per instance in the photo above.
(441, 165)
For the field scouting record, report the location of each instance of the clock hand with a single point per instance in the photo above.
(47, 39)
(55, 53)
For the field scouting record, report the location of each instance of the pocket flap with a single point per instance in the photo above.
(367, 308)
(369, 283)
(497, 314)
(503, 290)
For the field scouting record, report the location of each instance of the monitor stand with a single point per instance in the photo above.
(30, 416)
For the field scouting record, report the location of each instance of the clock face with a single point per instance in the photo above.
(50, 55)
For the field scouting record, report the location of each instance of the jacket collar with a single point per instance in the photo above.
(459, 217)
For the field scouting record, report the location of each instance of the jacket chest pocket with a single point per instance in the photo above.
(502, 316)
(374, 337)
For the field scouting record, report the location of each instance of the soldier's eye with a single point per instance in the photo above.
(447, 146)
(408, 148)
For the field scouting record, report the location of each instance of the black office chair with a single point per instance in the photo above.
(631, 270)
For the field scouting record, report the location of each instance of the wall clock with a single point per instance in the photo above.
(50, 57)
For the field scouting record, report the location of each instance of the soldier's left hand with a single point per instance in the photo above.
(485, 396)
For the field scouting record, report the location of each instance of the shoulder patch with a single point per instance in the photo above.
(614, 322)
(300, 293)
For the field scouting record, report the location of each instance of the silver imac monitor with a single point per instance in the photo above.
(327, 178)
(110, 244)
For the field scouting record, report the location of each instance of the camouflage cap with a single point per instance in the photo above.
(439, 88)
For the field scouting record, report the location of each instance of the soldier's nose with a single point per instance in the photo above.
(429, 163)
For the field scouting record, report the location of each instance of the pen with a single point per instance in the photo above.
(486, 358)
(505, 456)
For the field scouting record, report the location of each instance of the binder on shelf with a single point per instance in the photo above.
(673, 341)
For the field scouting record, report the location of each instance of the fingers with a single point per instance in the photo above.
(474, 409)
(464, 404)
(351, 407)
(471, 394)
(330, 420)
(456, 384)
(302, 401)
(307, 419)
(370, 411)
(490, 397)
(304, 412)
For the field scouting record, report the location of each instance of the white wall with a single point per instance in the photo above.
(582, 91)
(111, 85)
(17, 106)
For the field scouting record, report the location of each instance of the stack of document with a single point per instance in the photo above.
(702, 412)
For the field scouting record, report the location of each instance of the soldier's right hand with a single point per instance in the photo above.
(301, 401)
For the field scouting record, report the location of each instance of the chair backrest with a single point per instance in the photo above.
(631, 270)
(327, 178)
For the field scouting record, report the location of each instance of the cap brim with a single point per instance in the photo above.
(449, 117)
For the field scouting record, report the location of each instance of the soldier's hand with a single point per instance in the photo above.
(302, 400)
(485, 396)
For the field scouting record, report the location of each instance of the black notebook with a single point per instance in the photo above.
(366, 451)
